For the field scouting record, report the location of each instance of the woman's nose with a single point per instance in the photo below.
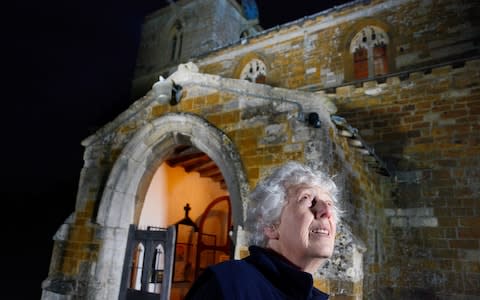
(322, 210)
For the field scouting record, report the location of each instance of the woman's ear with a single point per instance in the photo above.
(271, 232)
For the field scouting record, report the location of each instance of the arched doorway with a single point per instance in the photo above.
(126, 188)
(188, 191)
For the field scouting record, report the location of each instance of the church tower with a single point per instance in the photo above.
(186, 29)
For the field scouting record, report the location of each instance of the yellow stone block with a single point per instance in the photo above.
(159, 110)
(212, 99)
(214, 118)
(231, 117)
(442, 70)
(69, 266)
(321, 284)
(198, 102)
(253, 173)
(186, 104)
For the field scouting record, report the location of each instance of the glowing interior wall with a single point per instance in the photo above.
(170, 190)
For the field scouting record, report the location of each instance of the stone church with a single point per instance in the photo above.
(384, 95)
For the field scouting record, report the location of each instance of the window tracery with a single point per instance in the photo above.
(254, 71)
(369, 50)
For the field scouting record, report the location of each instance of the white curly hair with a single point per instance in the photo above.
(270, 196)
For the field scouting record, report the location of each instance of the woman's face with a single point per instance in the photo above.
(306, 233)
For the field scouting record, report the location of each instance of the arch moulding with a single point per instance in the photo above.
(353, 30)
(131, 175)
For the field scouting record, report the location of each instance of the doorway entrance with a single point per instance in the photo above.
(163, 263)
(187, 191)
(125, 200)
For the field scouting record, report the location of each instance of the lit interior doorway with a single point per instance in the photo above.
(188, 189)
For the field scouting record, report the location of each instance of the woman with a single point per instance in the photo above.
(292, 217)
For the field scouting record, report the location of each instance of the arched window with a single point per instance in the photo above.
(369, 50)
(254, 71)
(360, 62)
(177, 38)
(380, 59)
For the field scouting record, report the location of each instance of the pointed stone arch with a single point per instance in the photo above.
(244, 63)
(131, 175)
(348, 44)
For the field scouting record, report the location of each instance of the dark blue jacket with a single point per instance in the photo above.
(262, 275)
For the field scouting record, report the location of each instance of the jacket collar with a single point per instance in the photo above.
(284, 275)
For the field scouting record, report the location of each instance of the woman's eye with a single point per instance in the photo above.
(304, 198)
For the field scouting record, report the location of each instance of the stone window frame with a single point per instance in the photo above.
(252, 67)
(368, 49)
(353, 40)
(176, 39)
(254, 71)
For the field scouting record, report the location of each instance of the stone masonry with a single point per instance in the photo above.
(246, 128)
(405, 146)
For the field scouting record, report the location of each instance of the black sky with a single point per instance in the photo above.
(67, 71)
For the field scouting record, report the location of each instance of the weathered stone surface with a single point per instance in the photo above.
(412, 235)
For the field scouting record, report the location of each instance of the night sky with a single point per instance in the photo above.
(68, 67)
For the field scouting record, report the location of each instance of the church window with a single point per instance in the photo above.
(380, 59)
(254, 71)
(177, 39)
(369, 50)
(174, 47)
(360, 62)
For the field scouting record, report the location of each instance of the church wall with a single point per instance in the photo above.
(417, 230)
(364, 193)
(314, 53)
(427, 127)
(266, 138)
(423, 122)
(266, 130)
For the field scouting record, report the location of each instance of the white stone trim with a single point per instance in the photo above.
(126, 181)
